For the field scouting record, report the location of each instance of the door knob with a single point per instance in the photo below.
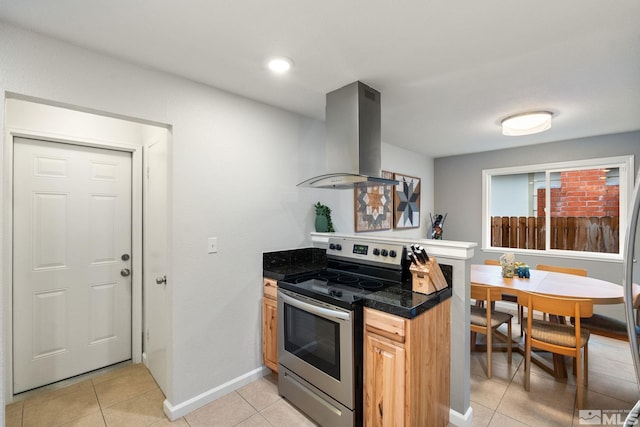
(161, 280)
(125, 272)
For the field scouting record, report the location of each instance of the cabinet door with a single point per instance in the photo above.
(270, 288)
(384, 364)
(270, 333)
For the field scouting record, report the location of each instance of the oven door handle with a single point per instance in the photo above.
(312, 308)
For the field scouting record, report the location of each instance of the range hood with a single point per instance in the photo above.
(353, 144)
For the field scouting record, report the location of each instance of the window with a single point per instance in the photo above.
(573, 208)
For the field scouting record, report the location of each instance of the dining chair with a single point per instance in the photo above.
(560, 269)
(508, 297)
(485, 320)
(558, 338)
(600, 324)
(490, 261)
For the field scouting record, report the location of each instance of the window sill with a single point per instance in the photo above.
(587, 256)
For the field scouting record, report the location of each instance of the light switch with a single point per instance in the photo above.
(212, 245)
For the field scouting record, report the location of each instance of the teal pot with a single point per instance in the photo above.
(322, 224)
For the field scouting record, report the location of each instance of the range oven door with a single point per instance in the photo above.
(315, 341)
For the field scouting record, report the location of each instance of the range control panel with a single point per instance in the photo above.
(365, 250)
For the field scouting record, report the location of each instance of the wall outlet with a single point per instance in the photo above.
(212, 245)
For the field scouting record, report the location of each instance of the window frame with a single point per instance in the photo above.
(626, 165)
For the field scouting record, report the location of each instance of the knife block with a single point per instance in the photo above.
(427, 278)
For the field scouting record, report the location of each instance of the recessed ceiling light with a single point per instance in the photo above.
(280, 64)
(526, 123)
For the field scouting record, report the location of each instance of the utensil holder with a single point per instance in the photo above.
(427, 278)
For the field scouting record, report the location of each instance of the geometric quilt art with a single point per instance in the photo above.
(373, 206)
(406, 203)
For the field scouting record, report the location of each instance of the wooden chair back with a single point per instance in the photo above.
(491, 262)
(575, 307)
(486, 293)
(555, 305)
(566, 270)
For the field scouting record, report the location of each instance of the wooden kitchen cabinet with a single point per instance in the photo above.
(270, 324)
(406, 368)
(384, 378)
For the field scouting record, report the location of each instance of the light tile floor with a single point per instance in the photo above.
(502, 400)
(129, 397)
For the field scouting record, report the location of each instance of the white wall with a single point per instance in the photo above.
(34, 119)
(59, 122)
(235, 164)
(394, 159)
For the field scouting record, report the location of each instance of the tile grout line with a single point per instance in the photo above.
(256, 409)
(95, 393)
(269, 406)
(515, 371)
(248, 403)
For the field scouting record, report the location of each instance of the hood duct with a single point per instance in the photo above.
(353, 143)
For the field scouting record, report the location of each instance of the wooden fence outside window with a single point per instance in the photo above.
(591, 234)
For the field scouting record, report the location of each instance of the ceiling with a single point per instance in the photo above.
(448, 71)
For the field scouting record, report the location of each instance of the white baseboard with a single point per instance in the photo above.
(460, 420)
(173, 412)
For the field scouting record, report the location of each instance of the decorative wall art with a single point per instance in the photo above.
(374, 206)
(406, 202)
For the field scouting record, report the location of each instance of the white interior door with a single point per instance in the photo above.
(72, 246)
(156, 306)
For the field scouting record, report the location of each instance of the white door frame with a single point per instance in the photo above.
(7, 244)
(152, 359)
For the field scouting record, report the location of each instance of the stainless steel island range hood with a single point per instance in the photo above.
(353, 144)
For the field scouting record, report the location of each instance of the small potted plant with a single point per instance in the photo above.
(323, 218)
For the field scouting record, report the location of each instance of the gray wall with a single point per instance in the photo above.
(226, 180)
(233, 168)
(458, 191)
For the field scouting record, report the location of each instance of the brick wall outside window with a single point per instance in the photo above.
(582, 193)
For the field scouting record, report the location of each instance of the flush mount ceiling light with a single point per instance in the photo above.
(526, 123)
(280, 64)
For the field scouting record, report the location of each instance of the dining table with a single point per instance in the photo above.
(553, 284)
(549, 283)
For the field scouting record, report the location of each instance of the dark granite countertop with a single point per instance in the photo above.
(401, 301)
(280, 265)
(282, 272)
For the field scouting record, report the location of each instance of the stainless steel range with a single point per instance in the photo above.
(320, 328)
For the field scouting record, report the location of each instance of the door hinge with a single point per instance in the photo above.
(147, 172)
(147, 334)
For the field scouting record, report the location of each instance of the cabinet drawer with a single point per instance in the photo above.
(270, 288)
(384, 324)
